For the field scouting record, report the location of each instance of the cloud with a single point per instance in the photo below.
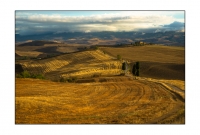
(41, 23)
(157, 30)
(87, 31)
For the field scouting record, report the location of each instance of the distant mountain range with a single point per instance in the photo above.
(167, 38)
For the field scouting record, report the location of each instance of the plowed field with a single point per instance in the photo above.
(156, 61)
(118, 100)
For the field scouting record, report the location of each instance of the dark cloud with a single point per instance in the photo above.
(175, 25)
(36, 24)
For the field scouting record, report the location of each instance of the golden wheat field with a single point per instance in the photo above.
(118, 100)
(80, 64)
(100, 95)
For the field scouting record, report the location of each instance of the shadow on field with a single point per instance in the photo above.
(18, 68)
(52, 49)
(169, 71)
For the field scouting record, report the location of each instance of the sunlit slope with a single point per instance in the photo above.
(80, 64)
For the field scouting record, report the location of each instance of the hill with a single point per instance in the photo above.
(161, 62)
(79, 64)
(100, 95)
(111, 38)
(37, 43)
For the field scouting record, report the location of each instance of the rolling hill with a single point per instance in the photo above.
(111, 38)
(79, 64)
(156, 61)
(37, 43)
(100, 95)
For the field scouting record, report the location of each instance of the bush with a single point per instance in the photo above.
(96, 47)
(38, 76)
(18, 75)
(97, 75)
(62, 79)
(119, 57)
(73, 79)
(122, 74)
(26, 74)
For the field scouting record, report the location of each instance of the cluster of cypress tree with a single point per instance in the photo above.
(124, 66)
(136, 69)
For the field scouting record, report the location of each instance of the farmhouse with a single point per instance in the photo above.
(140, 42)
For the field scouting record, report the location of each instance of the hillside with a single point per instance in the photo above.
(111, 38)
(31, 50)
(37, 43)
(80, 64)
(156, 61)
(100, 95)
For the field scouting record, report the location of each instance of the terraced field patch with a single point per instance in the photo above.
(81, 64)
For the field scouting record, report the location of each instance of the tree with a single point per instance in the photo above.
(96, 48)
(137, 65)
(62, 79)
(136, 69)
(25, 74)
(138, 72)
(124, 66)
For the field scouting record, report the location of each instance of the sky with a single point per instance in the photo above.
(38, 22)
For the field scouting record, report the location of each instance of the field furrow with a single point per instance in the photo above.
(116, 100)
